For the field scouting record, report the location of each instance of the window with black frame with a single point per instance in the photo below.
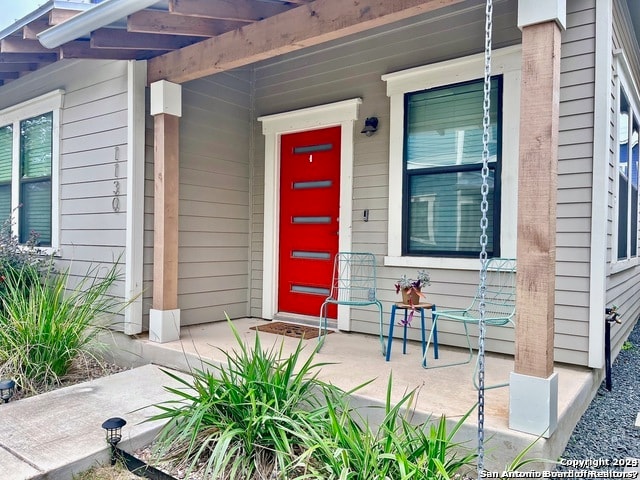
(628, 166)
(36, 144)
(33, 162)
(6, 161)
(443, 170)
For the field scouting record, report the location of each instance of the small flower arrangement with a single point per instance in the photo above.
(405, 283)
(412, 291)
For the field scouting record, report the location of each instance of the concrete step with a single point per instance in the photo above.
(57, 434)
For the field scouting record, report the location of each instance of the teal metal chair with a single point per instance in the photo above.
(354, 284)
(500, 308)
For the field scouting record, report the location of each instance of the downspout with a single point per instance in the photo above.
(600, 182)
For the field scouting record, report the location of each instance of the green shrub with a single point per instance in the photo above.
(262, 415)
(240, 420)
(44, 327)
(343, 445)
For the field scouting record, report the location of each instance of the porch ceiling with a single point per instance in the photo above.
(188, 39)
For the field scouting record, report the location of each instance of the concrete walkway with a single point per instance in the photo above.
(58, 434)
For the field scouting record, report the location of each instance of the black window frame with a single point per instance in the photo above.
(25, 233)
(495, 166)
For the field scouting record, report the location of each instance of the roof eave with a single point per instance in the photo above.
(39, 12)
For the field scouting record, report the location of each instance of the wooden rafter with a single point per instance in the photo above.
(28, 57)
(154, 21)
(115, 38)
(59, 15)
(18, 67)
(83, 50)
(18, 45)
(31, 30)
(298, 28)
(8, 75)
(239, 10)
(196, 38)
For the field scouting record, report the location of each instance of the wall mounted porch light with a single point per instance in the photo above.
(7, 388)
(370, 126)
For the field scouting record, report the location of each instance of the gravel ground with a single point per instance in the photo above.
(607, 429)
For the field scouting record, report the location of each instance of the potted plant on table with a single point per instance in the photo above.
(412, 290)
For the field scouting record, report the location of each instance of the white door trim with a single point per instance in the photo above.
(342, 114)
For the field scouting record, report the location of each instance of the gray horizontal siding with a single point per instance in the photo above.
(622, 286)
(214, 199)
(336, 72)
(93, 124)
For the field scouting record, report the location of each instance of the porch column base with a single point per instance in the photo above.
(533, 404)
(164, 325)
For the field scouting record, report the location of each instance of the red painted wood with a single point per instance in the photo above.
(308, 202)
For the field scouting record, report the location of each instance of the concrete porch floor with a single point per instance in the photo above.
(356, 358)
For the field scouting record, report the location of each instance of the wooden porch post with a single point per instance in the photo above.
(534, 390)
(164, 317)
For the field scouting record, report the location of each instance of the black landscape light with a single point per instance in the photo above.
(7, 387)
(113, 429)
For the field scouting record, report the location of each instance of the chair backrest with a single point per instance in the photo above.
(354, 278)
(500, 292)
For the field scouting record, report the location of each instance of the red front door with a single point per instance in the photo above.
(309, 203)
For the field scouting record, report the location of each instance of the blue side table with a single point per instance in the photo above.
(420, 307)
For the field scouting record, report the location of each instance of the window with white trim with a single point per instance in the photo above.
(443, 160)
(627, 178)
(435, 155)
(29, 136)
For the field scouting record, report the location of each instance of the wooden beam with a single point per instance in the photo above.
(537, 191)
(301, 27)
(239, 10)
(7, 75)
(31, 30)
(154, 21)
(18, 67)
(121, 39)
(16, 45)
(59, 15)
(165, 213)
(82, 49)
(28, 57)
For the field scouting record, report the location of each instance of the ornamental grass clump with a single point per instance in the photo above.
(344, 445)
(240, 419)
(261, 415)
(43, 328)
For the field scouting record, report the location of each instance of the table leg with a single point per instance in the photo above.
(404, 333)
(390, 338)
(424, 340)
(435, 332)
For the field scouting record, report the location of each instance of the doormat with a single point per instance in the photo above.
(289, 330)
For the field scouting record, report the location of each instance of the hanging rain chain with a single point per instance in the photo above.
(484, 206)
(115, 202)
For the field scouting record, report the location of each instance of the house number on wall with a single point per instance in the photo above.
(115, 203)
